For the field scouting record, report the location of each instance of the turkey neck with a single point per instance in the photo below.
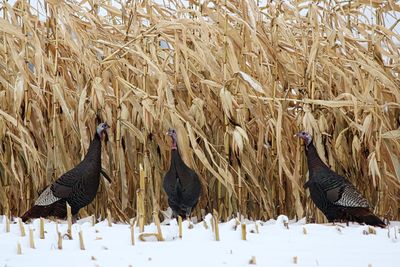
(314, 162)
(92, 165)
(94, 151)
(176, 160)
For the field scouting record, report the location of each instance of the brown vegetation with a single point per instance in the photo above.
(235, 80)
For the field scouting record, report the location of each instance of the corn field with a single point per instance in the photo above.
(236, 79)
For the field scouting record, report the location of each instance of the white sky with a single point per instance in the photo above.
(392, 18)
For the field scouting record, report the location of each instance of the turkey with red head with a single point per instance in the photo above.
(181, 184)
(333, 194)
(77, 187)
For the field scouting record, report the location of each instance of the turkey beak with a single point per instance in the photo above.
(106, 136)
(106, 133)
(105, 175)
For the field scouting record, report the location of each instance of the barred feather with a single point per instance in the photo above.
(78, 186)
(46, 198)
(333, 194)
(352, 198)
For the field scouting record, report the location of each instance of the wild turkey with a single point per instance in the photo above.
(181, 183)
(77, 187)
(334, 195)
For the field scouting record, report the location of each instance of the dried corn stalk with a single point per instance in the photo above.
(281, 70)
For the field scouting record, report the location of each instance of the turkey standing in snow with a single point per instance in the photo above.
(334, 195)
(77, 187)
(181, 183)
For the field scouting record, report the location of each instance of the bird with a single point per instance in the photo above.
(77, 187)
(334, 195)
(181, 183)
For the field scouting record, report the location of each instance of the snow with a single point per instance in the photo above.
(279, 243)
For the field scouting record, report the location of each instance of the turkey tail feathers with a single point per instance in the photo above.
(364, 215)
(57, 209)
(35, 212)
(374, 221)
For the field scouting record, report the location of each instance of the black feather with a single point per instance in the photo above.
(334, 195)
(78, 187)
(182, 185)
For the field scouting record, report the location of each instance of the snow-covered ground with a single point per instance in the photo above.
(298, 244)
